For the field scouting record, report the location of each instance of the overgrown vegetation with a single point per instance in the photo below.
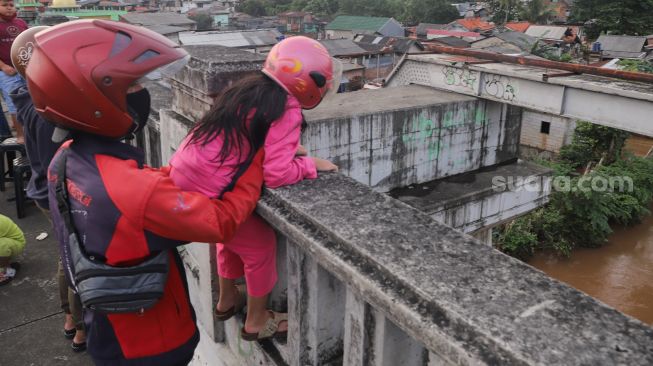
(631, 17)
(636, 65)
(408, 11)
(582, 217)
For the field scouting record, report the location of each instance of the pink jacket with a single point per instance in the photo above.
(193, 170)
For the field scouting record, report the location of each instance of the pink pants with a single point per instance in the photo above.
(252, 253)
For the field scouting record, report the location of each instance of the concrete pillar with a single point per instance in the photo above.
(315, 311)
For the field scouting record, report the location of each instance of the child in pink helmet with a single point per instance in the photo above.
(264, 109)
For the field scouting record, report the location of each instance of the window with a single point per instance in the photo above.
(545, 127)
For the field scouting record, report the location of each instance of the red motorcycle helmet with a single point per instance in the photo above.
(80, 71)
(303, 67)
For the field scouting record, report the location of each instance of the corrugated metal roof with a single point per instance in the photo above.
(166, 29)
(376, 44)
(342, 47)
(156, 19)
(518, 26)
(450, 33)
(450, 41)
(630, 44)
(475, 24)
(422, 28)
(546, 31)
(241, 39)
(348, 22)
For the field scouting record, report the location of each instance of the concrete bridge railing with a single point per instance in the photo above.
(369, 280)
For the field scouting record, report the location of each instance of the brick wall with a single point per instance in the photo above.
(560, 131)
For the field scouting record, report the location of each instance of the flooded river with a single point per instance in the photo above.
(620, 273)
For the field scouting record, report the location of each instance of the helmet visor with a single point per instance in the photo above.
(334, 85)
(164, 71)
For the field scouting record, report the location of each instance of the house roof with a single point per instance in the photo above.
(451, 33)
(342, 47)
(546, 31)
(147, 19)
(518, 26)
(239, 39)
(166, 29)
(622, 46)
(521, 40)
(349, 22)
(422, 28)
(378, 44)
(450, 41)
(475, 24)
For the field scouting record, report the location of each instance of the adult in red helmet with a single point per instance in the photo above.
(261, 110)
(109, 210)
(40, 151)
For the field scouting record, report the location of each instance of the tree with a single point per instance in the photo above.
(536, 11)
(203, 20)
(255, 8)
(503, 11)
(429, 11)
(632, 17)
(322, 8)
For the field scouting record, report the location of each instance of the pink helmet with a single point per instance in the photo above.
(303, 67)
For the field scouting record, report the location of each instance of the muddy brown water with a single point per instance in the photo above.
(619, 274)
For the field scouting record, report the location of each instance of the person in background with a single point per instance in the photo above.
(40, 150)
(10, 28)
(12, 243)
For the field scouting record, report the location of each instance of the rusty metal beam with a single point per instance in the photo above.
(575, 68)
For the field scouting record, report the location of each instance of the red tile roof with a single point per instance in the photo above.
(518, 26)
(474, 24)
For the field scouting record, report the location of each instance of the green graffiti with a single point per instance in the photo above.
(427, 131)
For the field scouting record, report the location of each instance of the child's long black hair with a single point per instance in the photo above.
(228, 116)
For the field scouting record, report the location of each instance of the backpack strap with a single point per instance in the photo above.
(61, 192)
(239, 172)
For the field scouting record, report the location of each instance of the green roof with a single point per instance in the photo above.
(348, 22)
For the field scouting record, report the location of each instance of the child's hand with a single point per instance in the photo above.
(324, 165)
(301, 151)
(10, 71)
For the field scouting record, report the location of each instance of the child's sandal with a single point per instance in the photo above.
(269, 330)
(241, 300)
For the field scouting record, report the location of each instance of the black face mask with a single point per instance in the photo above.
(138, 105)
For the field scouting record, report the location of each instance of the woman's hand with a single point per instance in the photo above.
(323, 165)
(301, 151)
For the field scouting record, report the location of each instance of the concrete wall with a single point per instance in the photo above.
(390, 138)
(561, 131)
(338, 34)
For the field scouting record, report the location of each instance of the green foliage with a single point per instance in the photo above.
(407, 11)
(255, 8)
(591, 143)
(636, 65)
(429, 11)
(632, 17)
(503, 11)
(536, 11)
(203, 20)
(582, 217)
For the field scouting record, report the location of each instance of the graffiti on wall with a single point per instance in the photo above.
(460, 77)
(500, 87)
(424, 130)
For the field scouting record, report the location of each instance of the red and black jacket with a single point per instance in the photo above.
(123, 212)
